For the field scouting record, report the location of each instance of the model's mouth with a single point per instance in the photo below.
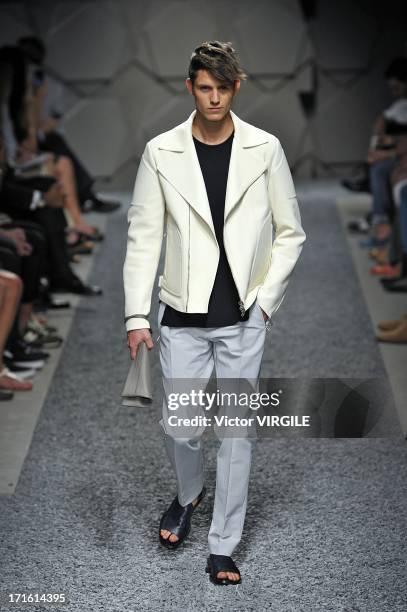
(214, 109)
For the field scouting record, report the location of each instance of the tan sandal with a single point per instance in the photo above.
(15, 383)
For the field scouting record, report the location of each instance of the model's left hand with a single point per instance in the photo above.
(265, 316)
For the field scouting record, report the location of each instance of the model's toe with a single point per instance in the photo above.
(173, 538)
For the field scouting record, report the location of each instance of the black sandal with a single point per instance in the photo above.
(221, 563)
(177, 519)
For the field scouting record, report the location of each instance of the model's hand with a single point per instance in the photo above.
(265, 316)
(136, 337)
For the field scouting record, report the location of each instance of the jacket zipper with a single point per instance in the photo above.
(240, 302)
(189, 254)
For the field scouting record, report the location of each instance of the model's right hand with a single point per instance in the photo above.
(136, 337)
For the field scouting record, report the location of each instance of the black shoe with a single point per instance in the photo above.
(360, 184)
(57, 303)
(24, 372)
(359, 226)
(177, 519)
(221, 563)
(45, 340)
(23, 355)
(396, 285)
(6, 394)
(102, 206)
(74, 284)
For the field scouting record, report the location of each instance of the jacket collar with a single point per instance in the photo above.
(178, 163)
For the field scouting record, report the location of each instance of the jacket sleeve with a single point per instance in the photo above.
(145, 234)
(289, 235)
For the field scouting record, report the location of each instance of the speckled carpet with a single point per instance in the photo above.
(326, 521)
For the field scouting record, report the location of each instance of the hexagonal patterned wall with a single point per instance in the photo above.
(121, 64)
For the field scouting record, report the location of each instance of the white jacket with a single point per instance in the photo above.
(263, 236)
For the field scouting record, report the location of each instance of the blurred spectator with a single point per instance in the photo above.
(383, 155)
(380, 158)
(47, 114)
(11, 288)
(38, 199)
(23, 156)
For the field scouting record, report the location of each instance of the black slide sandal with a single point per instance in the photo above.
(221, 563)
(177, 519)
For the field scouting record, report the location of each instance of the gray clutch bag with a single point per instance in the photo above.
(138, 390)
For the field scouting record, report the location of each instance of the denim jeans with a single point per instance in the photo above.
(403, 219)
(381, 189)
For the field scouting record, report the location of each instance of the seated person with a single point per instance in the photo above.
(49, 110)
(24, 156)
(382, 155)
(11, 288)
(44, 207)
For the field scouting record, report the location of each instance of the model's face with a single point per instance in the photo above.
(213, 98)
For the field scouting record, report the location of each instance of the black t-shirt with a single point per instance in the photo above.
(223, 308)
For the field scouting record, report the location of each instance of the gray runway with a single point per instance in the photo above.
(326, 522)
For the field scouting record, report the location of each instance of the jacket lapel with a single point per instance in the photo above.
(246, 161)
(178, 163)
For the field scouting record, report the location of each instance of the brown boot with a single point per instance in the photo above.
(398, 335)
(390, 325)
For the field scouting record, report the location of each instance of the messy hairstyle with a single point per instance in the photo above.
(218, 58)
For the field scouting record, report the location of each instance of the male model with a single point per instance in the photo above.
(223, 190)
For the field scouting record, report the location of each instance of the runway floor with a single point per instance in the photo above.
(326, 522)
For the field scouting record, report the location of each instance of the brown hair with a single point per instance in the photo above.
(218, 58)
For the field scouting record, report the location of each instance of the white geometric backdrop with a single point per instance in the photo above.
(122, 65)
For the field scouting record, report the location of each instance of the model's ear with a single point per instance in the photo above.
(237, 85)
(188, 85)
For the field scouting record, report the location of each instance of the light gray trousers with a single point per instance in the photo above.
(235, 351)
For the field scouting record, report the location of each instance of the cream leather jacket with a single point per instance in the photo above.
(263, 236)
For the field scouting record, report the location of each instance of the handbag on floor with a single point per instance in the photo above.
(137, 389)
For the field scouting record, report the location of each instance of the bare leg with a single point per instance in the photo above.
(65, 174)
(11, 288)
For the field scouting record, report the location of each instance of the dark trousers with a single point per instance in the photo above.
(53, 223)
(28, 267)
